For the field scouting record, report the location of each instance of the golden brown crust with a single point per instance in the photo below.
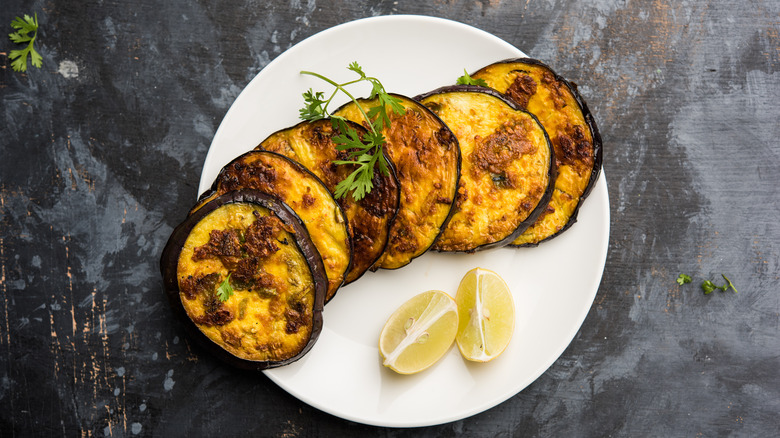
(305, 194)
(506, 168)
(247, 324)
(571, 130)
(427, 160)
(521, 90)
(311, 144)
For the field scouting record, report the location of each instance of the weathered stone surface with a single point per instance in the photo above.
(101, 152)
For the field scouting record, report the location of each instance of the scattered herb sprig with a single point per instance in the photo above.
(466, 79)
(364, 152)
(682, 279)
(23, 28)
(225, 290)
(708, 286)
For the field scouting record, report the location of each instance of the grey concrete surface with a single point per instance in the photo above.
(100, 156)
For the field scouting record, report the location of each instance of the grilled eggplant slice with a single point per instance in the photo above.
(305, 194)
(311, 144)
(572, 131)
(256, 244)
(506, 169)
(427, 160)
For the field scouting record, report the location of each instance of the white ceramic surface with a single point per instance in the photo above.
(553, 284)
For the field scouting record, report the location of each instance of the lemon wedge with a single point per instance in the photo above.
(487, 315)
(419, 332)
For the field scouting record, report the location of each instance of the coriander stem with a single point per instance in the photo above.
(311, 73)
(340, 87)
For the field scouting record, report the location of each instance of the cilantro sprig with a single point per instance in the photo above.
(364, 152)
(683, 278)
(225, 289)
(466, 79)
(708, 286)
(23, 28)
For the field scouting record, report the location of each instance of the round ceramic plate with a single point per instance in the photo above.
(343, 374)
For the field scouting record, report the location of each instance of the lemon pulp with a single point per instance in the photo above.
(419, 332)
(486, 315)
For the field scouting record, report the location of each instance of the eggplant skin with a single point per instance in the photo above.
(311, 144)
(265, 323)
(572, 130)
(296, 186)
(506, 167)
(427, 159)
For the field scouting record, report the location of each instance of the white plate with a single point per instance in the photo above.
(342, 374)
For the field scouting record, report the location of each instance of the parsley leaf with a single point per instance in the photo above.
(466, 79)
(225, 290)
(708, 286)
(314, 109)
(366, 152)
(23, 28)
(683, 278)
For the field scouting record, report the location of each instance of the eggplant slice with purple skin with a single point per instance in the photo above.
(304, 193)
(311, 144)
(427, 160)
(506, 167)
(572, 130)
(247, 280)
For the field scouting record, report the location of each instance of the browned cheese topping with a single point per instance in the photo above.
(240, 175)
(308, 200)
(259, 239)
(246, 284)
(296, 316)
(425, 154)
(216, 313)
(537, 88)
(202, 285)
(505, 171)
(572, 145)
(573, 148)
(243, 259)
(496, 153)
(306, 195)
(522, 89)
(224, 244)
(312, 145)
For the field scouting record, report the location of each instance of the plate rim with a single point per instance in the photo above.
(205, 182)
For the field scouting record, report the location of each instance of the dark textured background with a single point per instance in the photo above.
(101, 152)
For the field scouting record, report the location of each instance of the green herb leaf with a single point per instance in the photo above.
(683, 278)
(729, 284)
(314, 109)
(707, 286)
(466, 79)
(23, 28)
(225, 290)
(354, 66)
(366, 152)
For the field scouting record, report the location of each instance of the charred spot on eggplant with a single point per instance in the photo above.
(246, 327)
(305, 193)
(506, 169)
(427, 159)
(311, 144)
(572, 131)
